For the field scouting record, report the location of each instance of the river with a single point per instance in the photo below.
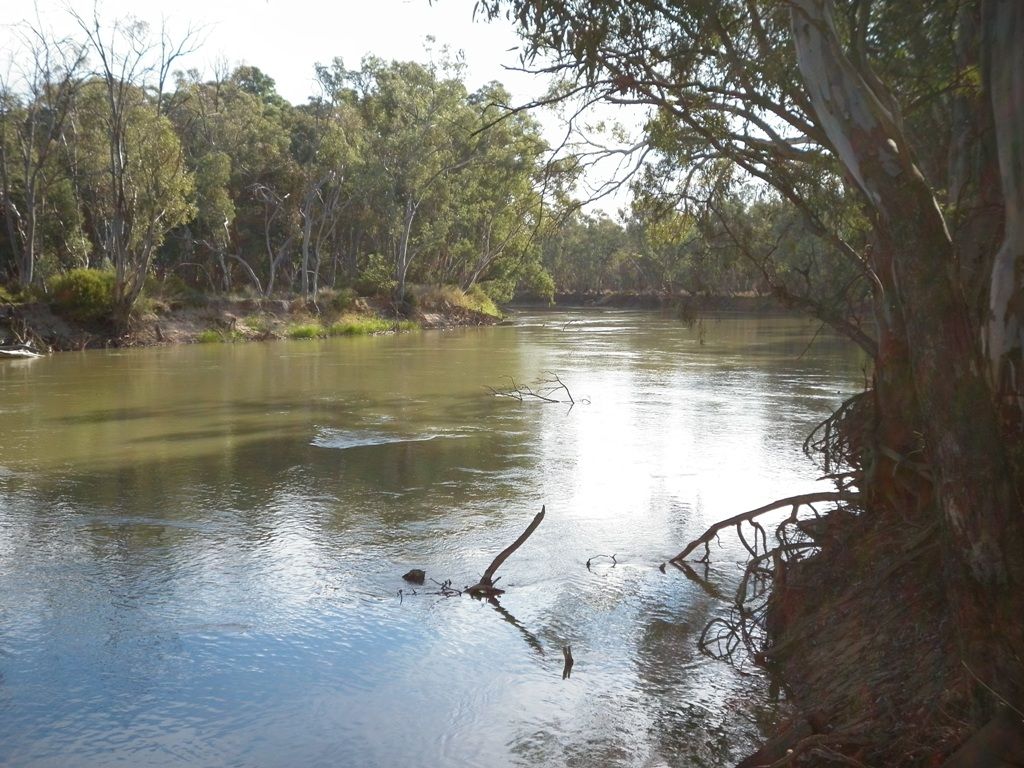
(201, 547)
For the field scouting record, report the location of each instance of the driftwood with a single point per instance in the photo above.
(567, 669)
(547, 391)
(598, 557)
(485, 587)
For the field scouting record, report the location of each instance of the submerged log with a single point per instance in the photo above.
(19, 350)
(485, 587)
(569, 661)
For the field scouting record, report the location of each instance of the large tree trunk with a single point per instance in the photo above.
(402, 256)
(973, 186)
(1003, 31)
(964, 445)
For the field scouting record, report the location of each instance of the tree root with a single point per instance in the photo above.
(796, 536)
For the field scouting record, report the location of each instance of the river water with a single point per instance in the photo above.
(201, 547)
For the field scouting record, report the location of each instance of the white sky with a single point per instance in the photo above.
(285, 38)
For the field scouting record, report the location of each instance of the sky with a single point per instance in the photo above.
(286, 38)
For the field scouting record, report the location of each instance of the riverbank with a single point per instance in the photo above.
(859, 638)
(226, 320)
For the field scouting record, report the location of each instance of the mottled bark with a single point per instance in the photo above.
(1003, 30)
(973, 189)
(973, 483)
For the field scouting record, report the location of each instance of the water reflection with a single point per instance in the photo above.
(201, 547)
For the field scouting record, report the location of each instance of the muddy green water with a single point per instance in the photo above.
(201, 547)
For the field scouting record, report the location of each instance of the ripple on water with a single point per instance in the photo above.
(235, 602)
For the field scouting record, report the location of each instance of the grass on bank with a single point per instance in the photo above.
(352, 325)
(441, 297)
(209, 336)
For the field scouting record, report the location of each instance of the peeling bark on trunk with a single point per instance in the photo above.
(973, 484)
(1003, 31)
(973, 186)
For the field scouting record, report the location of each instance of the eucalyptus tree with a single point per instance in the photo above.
(129, 157)
(36, 99)
(134, 188)
(327, 135)
(500, 196)
(420, 134)
(236, 131)
(586, 253)
(916, 110)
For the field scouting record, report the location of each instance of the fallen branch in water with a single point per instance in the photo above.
(545, 390)
(610, 557)
(567, 669)
(446, 588)
(485, 587)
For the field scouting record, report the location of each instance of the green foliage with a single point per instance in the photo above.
(305, 331)
(258, 324)
(377, 277)
(499, 290)
(343, 300)
(478, 300)
(210, 336)
(535, 282)
(362, 326)
(85, 295)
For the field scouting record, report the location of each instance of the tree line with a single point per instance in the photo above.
(111, 157)
(395, 173)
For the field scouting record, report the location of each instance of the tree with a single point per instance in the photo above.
(421, 134)
(326, 142)
(239, 119)
(133, 163)
(499, 196)
(866, 93)
(32, 125)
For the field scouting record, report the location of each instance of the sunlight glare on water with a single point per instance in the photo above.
(201, 547)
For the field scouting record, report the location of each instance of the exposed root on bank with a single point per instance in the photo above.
(798, 535)
(843, 603)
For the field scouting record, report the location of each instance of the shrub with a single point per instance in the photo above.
(479, 301)
(209, 336)
(86, 295)
(377, 277)
(500, 291)
(305, 331)
(259, 324)
(535, 282)
(343, 300)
